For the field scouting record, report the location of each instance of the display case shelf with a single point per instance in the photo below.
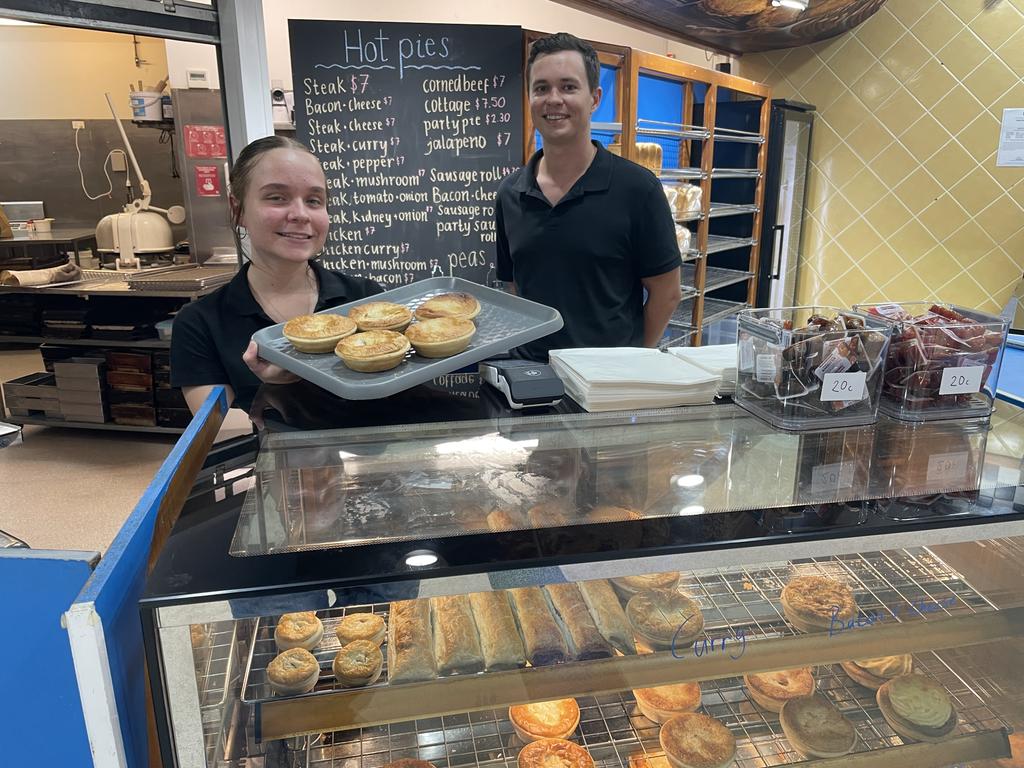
(681, 174)
(671, 130)
(112, 343)
(718, 210)
(718, 243)
(731, 209)
(918, 602)
(731, 134)
(615, 734)
(735, 173)
(714, 310)
(714, 277)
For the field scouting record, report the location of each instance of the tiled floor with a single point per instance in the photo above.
(73, 488)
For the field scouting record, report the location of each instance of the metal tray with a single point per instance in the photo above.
(504, 322)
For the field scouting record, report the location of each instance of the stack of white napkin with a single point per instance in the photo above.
(719, 359)
(625, 378)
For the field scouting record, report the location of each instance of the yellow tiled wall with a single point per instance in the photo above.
(904, 198)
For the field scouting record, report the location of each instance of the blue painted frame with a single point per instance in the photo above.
(117, 584)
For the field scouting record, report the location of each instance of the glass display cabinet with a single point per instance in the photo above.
(585, 558)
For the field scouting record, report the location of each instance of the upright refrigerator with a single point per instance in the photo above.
(789, 143)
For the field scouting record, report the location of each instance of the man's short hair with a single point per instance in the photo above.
(563, 41)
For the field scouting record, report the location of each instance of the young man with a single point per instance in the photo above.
(580, 229)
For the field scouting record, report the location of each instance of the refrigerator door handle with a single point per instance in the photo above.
(779, 233)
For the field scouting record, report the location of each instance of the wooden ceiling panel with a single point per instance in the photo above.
(739, 26)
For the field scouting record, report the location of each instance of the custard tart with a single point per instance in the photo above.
(441, 337)
(381, 316)
(318, 334)
(372, 351)
(459, 304)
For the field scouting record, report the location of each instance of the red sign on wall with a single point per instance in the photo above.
(207, 181)
(205, 141)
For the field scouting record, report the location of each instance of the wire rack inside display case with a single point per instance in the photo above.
(739, 604)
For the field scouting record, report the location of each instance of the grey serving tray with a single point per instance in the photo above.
(504, 322)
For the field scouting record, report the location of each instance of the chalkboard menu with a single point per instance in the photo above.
(416, 125)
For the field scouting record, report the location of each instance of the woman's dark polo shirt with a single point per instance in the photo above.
(586, 255)
(211, 334)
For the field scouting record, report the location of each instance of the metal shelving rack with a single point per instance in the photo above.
(737, 603)
(703, 310)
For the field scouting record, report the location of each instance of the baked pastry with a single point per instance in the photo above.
(812, 602)
(361, 626)
(441, 337)
(770, 690)
(545, 719)
(554, 753)
(666, 701)
(409, 762)
(693, 740)
(456, 643)
(358, 663)
(627, 586)
(372, 351)
(458, 304)
(293, 671)
(585, 640)
(505, 520)
(410, 646)
(917, 708)
(873, 673)
(608, 615)
(381, 316)
(298, 630)
(663, 618)
(549, 514)
(318, 333)
(542, 638)
(816, 728)
(499, 638)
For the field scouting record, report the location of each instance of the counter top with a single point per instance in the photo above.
(55, 235)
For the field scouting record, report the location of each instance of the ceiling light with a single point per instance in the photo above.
(420, 558)
(692, 509)
(796, 5)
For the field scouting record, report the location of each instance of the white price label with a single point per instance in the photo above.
(848, 387)
(948, 468)
(765, 369)
(965, 380)
(832, 477)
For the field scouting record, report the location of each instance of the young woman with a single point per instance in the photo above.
(278, 203)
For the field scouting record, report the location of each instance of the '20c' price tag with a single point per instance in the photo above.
(961, 381)
(843, 386)
(831, 478)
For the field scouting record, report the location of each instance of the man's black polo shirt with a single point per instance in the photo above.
(211, 334)
(586, 255)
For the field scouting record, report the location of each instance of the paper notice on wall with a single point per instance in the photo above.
(1011, 139)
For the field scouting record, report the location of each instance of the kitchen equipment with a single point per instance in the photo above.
(141, 227)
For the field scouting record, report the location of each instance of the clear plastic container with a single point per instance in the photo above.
(815, 367)
(943, 360)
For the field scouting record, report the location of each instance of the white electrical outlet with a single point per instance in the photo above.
(76, 124)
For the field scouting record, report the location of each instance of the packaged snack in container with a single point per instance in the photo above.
(943, 360)
(811, 367)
